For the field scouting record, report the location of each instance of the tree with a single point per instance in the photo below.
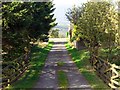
(73, 15)
(54, 33)
(98, 25)
(118, 35)
(23, 22)
(41, 23)
(15, 20)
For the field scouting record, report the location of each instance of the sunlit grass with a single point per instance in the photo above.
(62, 80)
(81, 59)
(31, 76)
(60, 63)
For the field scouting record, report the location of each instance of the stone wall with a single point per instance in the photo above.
(79, 45)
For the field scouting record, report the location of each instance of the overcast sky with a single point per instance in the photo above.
(61, 8)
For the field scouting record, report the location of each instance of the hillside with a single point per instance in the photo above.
(63, 29)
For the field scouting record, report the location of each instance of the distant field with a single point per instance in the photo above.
(63, 29)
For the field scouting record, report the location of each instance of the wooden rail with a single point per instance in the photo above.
(13, 70)
(109, 73)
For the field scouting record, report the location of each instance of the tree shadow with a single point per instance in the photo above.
(28, 80)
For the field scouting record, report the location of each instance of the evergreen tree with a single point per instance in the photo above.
(23, 22)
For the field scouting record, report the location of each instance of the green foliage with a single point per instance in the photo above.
(62, 80)
(32, 74)
(94, 21)
(97, 26)
(22, 23)
(98, 23)
(81, 59)
(74, 14)
(113, 56)
(60, 63)
(54, 33)
(42, 23)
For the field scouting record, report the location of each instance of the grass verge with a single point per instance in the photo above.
(62, 80)
(60, 63)
(28, 80)
(81, 59)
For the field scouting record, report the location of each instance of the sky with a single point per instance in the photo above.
(59, 13)
(61, 8)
